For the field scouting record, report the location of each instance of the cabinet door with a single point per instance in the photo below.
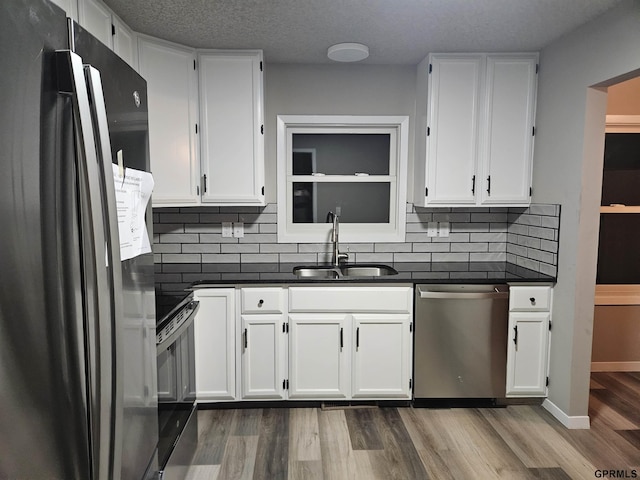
(527, 356)
(172, 95)
(381, 366)
(452, 122)
(264, 367)
(125, 43)
(69, 6)
(95, 17)
(319, 356)
(507, 129)
(214, 332)
(232, 148)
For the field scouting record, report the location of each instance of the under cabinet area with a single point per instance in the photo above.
(529, 337)
(475, 129)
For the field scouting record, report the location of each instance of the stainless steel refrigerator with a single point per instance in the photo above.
(78, 387)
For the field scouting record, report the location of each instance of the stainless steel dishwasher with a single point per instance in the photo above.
(460, 341)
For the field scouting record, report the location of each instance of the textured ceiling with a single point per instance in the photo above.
(396, 31)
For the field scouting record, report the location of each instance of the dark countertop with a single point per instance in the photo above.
(408, 272)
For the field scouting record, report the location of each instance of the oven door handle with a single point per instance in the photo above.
(171, 339)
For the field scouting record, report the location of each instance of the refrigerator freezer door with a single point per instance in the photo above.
(43, 389)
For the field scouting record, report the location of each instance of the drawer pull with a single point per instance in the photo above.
(260, 303)
(532, 300)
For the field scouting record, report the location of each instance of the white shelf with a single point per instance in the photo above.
(621, 209)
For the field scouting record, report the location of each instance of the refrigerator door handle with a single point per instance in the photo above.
(101, 129)
(99, 309)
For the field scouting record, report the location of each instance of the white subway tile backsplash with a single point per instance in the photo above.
(189, 245)
(240, 248)
(201, 248)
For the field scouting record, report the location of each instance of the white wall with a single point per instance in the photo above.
(335, 90)
(568, 170)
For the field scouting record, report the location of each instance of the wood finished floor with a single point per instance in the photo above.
(517, 442)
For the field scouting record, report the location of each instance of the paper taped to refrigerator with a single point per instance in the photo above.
(133, 191)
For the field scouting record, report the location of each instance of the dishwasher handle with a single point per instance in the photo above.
(462, 295)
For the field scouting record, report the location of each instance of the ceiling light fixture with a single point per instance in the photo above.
(348, 52)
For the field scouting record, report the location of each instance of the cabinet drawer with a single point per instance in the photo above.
(350, 299)
(262, 300)
(529, 298)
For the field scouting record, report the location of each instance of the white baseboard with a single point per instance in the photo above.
(573, 423)
(615, 366)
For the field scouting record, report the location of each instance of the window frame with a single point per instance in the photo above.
(395, 125)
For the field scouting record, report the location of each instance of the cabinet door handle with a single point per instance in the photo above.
(204, 188)
(515, 337)
(246, 338)
(358, 337)
(489, 185)
(473, 185)
(341, 338)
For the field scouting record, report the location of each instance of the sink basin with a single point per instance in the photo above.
(316, 272)
(367, 270)
(345, 271)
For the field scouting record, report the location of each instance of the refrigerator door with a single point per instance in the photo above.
(44, 419)
(126, 115)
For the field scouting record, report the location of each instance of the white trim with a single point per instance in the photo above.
(394, 231)
(574, 423)
(615, 366)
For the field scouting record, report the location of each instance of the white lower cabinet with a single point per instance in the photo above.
(263, 359)
(529, 336)
(381, 364)
(285, 348)
(215, 334)
(359, 348)
(318, 359)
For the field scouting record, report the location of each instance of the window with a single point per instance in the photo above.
(354, 166)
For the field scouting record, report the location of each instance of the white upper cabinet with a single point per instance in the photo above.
(125, 42)
(231, 117)
(102, 23)
(475, 129)
(69, 6)
(507, 129)
(95, 17)
(173, 116)
(452, 136)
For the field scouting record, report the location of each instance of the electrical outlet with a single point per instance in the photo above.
(432, 229)
(238, 229)
(227, 229)
(444, 229)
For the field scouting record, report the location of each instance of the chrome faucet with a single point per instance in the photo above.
(336, 257)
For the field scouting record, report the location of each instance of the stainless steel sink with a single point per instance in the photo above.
(316, 272)
(367, 270)
(345, 271)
